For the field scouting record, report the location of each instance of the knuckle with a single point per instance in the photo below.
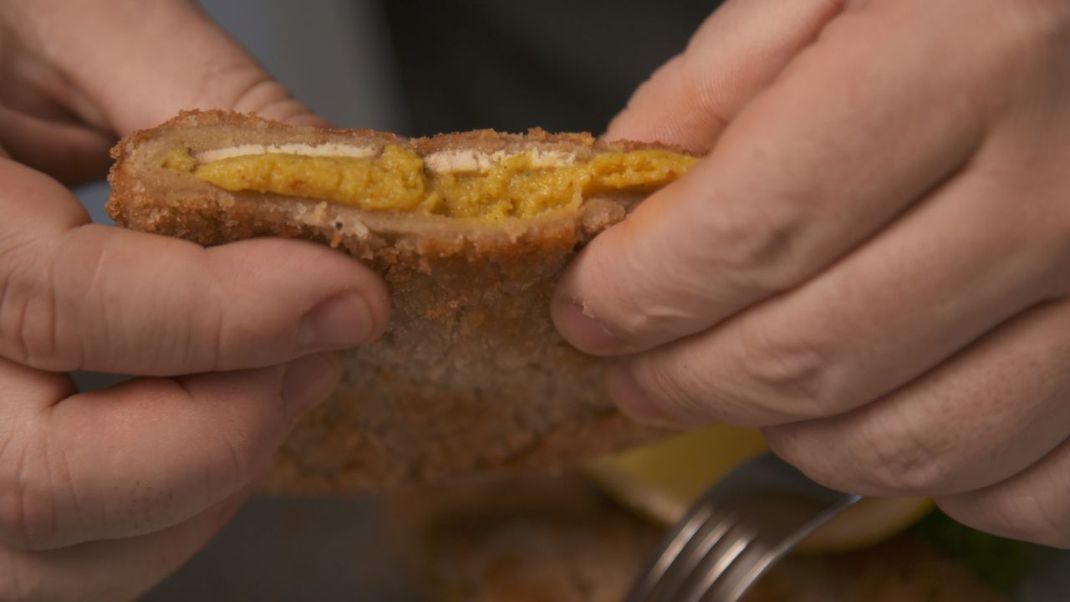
(788, 376)
(38, 334)
(1061, 215)
(699, 88)
(1018, 517)
(900, 464)
(19, 581)
(207, 339)
(27, 309)
(1033, 38)
(1042, 523)
(633, 319)
(28, 515)
(254, 91)
(1051, 531)
(756, 245)
(236, 83)
(688, 390)
(235, 327)
(227, 339)
(199, 340)
(1055, 529)
(880, 466)
(1044, 24)
(241, 456)
(678, 388)
(234, 457)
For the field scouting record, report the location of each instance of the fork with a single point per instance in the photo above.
(735, 531)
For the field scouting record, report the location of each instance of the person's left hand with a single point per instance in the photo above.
(872, 263)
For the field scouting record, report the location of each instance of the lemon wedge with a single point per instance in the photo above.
(660, 481)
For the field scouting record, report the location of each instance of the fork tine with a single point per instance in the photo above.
(718, 562)
(765, 545)
(700, 523)
(671, 546)
(726, 586)
(765, 552)
(681, 570)
(734, 532)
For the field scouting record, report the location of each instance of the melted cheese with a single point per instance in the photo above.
(463, 184)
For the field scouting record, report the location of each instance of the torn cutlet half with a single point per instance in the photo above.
(470, 232)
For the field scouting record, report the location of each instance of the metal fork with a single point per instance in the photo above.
(736, 531)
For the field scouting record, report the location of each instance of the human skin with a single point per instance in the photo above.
(103, 494)
(872, 264)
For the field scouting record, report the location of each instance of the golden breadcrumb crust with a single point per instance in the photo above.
(471, 376)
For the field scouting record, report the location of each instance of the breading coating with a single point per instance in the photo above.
(471, 377)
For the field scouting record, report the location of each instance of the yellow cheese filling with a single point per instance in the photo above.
(518, 185)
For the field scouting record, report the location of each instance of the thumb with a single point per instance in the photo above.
(736, 52)
(139, 63)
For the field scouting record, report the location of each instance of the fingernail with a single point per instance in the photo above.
(308, 381)
(580, 328)
(625, 391)
(340, 322)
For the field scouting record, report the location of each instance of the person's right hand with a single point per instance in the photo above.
(870, 262)
(103, 494)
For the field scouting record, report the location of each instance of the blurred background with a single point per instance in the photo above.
(419, 67)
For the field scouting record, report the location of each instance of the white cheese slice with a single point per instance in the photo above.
(451, 161)
(330, 149)
(458, 161)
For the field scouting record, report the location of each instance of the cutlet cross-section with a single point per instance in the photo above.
(470, 232)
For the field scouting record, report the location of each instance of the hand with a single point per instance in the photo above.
(103, 494)
(872, 263)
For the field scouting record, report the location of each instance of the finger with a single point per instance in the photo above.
(807, 171)
(144, 455)
(985, 415)
(157, 59)
(77, 296)
(1033, 506)
(734, 54)
(875, 320)
(70, 152)
(109, 570)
